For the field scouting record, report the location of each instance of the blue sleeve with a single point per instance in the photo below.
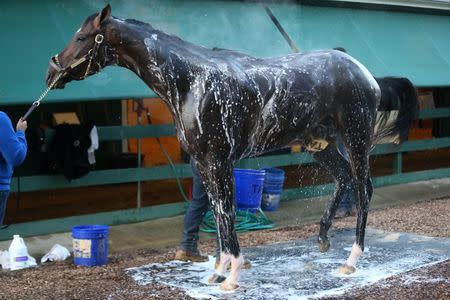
(13, 145)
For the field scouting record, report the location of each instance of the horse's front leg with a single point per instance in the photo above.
(219, 182)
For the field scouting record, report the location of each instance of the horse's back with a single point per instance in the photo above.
(331, 74)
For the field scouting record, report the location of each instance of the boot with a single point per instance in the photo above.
(195, 256)
(341, 212)
(354, 211)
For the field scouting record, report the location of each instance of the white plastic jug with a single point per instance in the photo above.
(18, 254)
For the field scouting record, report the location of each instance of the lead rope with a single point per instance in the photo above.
(39, 99)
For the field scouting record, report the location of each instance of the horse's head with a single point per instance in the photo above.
(84, 55)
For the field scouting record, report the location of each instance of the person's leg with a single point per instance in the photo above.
(193, 218)
(345, 207)
(3, 200)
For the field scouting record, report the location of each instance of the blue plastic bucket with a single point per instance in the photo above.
(248, 184)
(272, 189)
(90, 245)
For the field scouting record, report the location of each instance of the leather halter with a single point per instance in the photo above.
(61, 71)
(89, 56)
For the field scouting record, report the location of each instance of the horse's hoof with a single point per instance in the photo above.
(324, 245)
(346, 269)
(216, 278)
(228, 286)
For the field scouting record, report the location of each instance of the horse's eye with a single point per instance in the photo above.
(81, 38)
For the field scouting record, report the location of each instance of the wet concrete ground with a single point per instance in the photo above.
(297, 270)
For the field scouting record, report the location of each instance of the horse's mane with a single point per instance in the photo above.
(138, 23)
(129, 21)
(89, 19)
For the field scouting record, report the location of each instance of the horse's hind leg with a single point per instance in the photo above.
(218, 177)
(331, 160)
(356, 128)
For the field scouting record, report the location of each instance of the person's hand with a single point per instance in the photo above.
(21, 125)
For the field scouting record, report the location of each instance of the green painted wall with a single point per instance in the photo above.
(387, 42)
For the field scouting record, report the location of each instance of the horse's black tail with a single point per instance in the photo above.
(397, 94)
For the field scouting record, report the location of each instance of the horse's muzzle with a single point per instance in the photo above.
(55, 64)
(52, 71)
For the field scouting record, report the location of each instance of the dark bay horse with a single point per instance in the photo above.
(228, 105)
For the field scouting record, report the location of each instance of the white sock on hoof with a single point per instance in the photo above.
(354, 256)
(225, 259)
(236, 266)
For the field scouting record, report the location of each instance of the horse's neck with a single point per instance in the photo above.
(150, 54)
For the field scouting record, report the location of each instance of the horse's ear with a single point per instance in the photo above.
(102, 16)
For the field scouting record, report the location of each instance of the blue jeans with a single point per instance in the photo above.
(3, 200)
(348, 199)
(195, 213)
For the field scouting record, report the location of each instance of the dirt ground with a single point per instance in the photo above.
(63, 280)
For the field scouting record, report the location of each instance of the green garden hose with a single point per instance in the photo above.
(244, 221)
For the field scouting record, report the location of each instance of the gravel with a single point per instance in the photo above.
(64, 280)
